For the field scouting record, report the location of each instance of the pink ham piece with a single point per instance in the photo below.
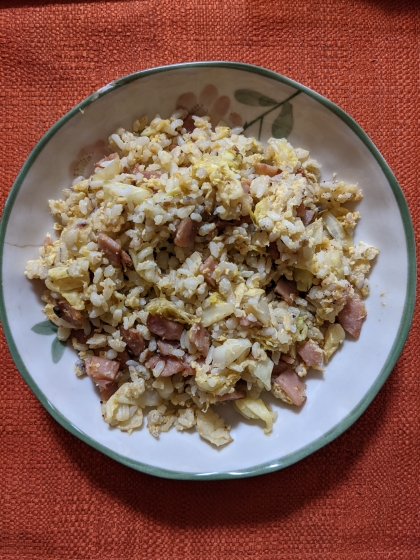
(126, 259)
(186, 233)
(150, 174)
(66, 312)
(106, 393)
(134, 340)
(172, 366)
(200, 337)
(287, 290)
(305, 214)
(80, 336)
(352, 315)
(273, 251)
(310, 353)
(110, 248)
(292, 385)
(152, 362)
(232, 396)
(123, 357)
(164, 327)
(207, 269)
(278, 369)
(167, 348)
(264, 169)
(103, 372)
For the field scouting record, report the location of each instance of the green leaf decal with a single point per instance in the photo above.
(283, 124)
(57, 350)
(46, 327)
(254, 98)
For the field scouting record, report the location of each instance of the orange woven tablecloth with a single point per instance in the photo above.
(357, 498)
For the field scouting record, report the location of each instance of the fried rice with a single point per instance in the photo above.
(200, 266)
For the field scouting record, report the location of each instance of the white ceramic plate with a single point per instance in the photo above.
(266, 103)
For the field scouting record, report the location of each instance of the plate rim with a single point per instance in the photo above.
(393, 355)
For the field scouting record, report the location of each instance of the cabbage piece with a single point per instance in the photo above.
(261, 311)
(212, 428)
(256, 409)
(216, 313)
(136, 195)
(161, 306)
(108, 172)
(336, 230)
(315, 232)
(303, 279)
(149, 398)
(262, 370)
(334, 336)
(231, 350)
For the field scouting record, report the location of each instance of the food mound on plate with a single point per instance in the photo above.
(199, 266)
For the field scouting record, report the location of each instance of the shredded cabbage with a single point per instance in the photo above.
(256, 409)
(161, 306)
(230, 351)
(262, 370)
(334, 336)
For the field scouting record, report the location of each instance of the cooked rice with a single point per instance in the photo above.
(250, 203)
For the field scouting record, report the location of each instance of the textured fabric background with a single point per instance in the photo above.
(357, 498)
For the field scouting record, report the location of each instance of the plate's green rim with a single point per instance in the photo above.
(393, 355)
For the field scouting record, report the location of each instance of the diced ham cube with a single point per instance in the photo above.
(278, 369)
(126, 259)
(106, 393)
(311, 353)
(352, 315)
(186, 232)
(167, 348)
(80, 336)
(264, 169)
(172, 366)
(232, 396)
(152, 362)
(134, 340)
(164, 328)
(189, 370)
(207, 269)
(123, 357)
(110, 248)
(305, 214)
(274, 251)
(102, 371)
(151, 174)
(287, 289)
(293, 386)
(200, 337)
(66, 312)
